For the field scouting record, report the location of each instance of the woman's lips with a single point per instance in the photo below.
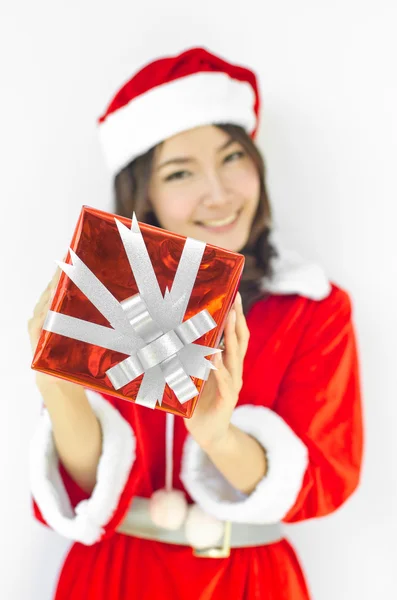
(221, 228)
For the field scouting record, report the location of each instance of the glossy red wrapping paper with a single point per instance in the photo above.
(97, 242)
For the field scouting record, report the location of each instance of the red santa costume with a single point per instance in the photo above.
(300, 399)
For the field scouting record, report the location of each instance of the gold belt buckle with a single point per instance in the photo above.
(217, 552)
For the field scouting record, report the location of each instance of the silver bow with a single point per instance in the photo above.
(147, 326)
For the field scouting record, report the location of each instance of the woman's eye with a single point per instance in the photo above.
(234, 156)
(177, 175)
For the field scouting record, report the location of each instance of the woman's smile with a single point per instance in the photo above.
(220, 225)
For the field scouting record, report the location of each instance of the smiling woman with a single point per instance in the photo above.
(207, 183)
(276, 433)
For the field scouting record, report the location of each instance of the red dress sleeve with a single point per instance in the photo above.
(302, 403)
(320, 399)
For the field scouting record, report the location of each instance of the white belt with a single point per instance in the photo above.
(138, 523)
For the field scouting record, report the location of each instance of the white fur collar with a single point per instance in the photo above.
(295, 275)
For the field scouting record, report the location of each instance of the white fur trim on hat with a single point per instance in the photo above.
(173, 107)
(85, 523)
(274, 495)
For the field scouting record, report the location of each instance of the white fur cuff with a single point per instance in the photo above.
(85, 523)
(275, 494)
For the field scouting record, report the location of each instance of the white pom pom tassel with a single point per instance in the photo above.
(203, 530)
(168, 509)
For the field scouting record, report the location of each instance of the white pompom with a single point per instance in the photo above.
(203, 530)
(168, 509)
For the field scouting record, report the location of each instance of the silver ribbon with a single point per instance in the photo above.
(148, 326)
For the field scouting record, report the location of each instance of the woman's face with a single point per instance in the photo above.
(205, 186)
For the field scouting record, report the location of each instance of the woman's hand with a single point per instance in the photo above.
(35, 325)
(210, 422)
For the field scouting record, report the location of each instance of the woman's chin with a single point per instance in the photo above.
(232, 240)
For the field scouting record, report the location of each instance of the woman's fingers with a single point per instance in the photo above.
(232, 358)
(46, 296)
(242, 331)
(236, 338)
(55, 279)
(35, 324)
(224, 381)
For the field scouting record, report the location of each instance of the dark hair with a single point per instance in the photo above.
(131, 194)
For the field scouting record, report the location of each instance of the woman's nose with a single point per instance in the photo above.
(216, 193)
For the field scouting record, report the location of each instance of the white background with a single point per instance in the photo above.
(328, 77)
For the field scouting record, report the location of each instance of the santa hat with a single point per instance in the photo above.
(174, 94)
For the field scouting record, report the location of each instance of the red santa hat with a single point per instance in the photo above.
(174, 94)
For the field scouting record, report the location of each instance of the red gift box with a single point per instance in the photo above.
(152, 302)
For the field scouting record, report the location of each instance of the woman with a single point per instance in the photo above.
(276, 436)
